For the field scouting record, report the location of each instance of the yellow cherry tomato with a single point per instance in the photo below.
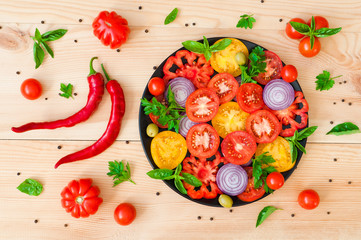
(280, 151)
(225, 60)
(168, 149)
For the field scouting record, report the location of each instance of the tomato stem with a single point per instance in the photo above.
(79, 199)
(92, 71)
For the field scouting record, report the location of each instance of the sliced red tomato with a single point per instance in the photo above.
(206, 172)
(251, 194)
(197, 69)
(238, 147)
(154, 119)
(202, 140)
(287, 116)
(263, 126)
(202, 105)
(273, 68)
(249, 97)
(225, 86)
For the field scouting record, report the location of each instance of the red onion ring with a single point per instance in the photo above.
(184, 125)
(278, 94)
(182, 88)
(248, 163)
(232, 179)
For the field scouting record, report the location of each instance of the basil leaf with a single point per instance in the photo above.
(178, 169)
(312, 40)
(325, 32)
(53, 35)
(221, 45)
(47, 48)
(194, 46)
(30, 187)
(205, 42)
(344, 129)
(38, 35)
(306, 132)
(179, 185)
(301, 28)
(313, 26)
(294, 152)
(207, 54)
(265, 213)
(169, 178)
(160, 173)
(192, 180)
(38, 54)
(171, 16)
(299, 146)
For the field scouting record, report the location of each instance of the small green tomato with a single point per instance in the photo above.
(241, 59)
(152, 130)
(225, 201)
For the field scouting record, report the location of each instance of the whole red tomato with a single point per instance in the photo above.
(80, 198)
(125, 214)
(275, 180)
(305, 47)
(31, 89)
(156, 86)
(291, 32)
(308, 199)
(111, 29)
(320, 22)
(289, 73)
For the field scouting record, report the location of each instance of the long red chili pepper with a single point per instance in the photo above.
(113, 128)
(96, 91)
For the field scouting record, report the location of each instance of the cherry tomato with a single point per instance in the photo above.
(308, 199)
(275, 180)
(251, 194)
(320, 22)
(305, 47)
(291, 32)
(249, 97)
(202, 105)
(156, 86)
(125, 214)
(225, 86)
(264, 126)
(202, 140)
(31, 89)
(289, 73)
(273, 68)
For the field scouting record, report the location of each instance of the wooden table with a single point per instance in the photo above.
(331, 166)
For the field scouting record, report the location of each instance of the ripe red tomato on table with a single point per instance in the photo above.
(291, 32)
(308, 199)
(125, 214)
(156, 86)
(320, 22)
(305, 47)
(289, 73)
(275, 180)
(31, 89)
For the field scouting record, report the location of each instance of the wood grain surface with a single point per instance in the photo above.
(331, 166)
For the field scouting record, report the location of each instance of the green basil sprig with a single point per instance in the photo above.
(299, 136)
(167, 174)
(171, 16)
(344, 129)
(204, 48)
(259, 173)
(265, 213)
(30, 187)
(257, 65)
(40, 41)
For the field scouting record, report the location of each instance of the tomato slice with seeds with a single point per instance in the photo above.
(249, 97)
(251, 194)
(263, 126)
(225, 86)
(273, 68)
(238, 147)
(202, 105)
(202, 140)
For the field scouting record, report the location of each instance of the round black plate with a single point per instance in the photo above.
(144, 121)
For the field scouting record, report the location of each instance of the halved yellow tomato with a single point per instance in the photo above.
(225, 60)
(280, 151)
(229, 118)
(168, 149)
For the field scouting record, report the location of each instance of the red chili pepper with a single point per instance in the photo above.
(96, 91)
(113, 128)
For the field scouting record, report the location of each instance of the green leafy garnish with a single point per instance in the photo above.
(259, 173)
(246, 21)
(40, 41)
(171, 16)
(344, 129)
(257, 65)
(325, 82)
(204, 48)
(30, 187)
(119, 173)
(67, 90)
(265, 213)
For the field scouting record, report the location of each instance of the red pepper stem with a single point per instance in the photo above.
(92, 71)
(105, 73)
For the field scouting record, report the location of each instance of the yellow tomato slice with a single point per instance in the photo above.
(168, 149)
(280, 151)
(225, 61)
(229, 118)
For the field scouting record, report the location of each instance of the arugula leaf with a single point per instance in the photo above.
(246, 21)
(67, 90)
(120, 174)
(265, 213)
(30, 187)
(259, 173)
(345, 128)
(171, 16)
(325, 82)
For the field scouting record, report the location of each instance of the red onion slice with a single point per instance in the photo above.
(182, 88)
(184, 125)
(248, 163)
(232, 179)
(278, 94)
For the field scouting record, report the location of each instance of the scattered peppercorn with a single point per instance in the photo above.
(75, 94)
(17, 72)
(80, 20)
(18, 173)
(75, 41)
(349, 104)
(335, 159)
(46, 98)
(349, 182)
(154, 67)
(65, 225)
(158, 193)
(140, 7)
(281, 20)
(292, 215)
(36, 221)
(340, 83)
(146, 31)
(328, 213)
(1, 27)
(211, 218)
(126, 142)
(230, 210)
(42, 22)
(334, 103)
(344, 81)
(194, 24)
(330, 180)
(331, 122)
(262, 1)
(343, 100)
(199, 217)
(118, 50)
(186, 24)
(59, 147)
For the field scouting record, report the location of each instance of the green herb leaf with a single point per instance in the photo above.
(119, 174)
(259, 173)
(306, 133)
(47, 48)
(38, 55)
(312, 41)
(326, 32)
(205, 43)
(265, 213)
(293, 151)
(179, 185)
(301, 28)
(53, 35)
(178, 169)
(221, 45)
(38, 35)
(299, 146)
(192, 180)
(194, 46)
(161, 174)
(246, 21)
(344, 129)
(30, 187)
(325, 82)
(313, 25)
(171, 16)
(207, 55)
(67, 90)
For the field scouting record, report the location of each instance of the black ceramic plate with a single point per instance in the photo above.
(144, 121)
